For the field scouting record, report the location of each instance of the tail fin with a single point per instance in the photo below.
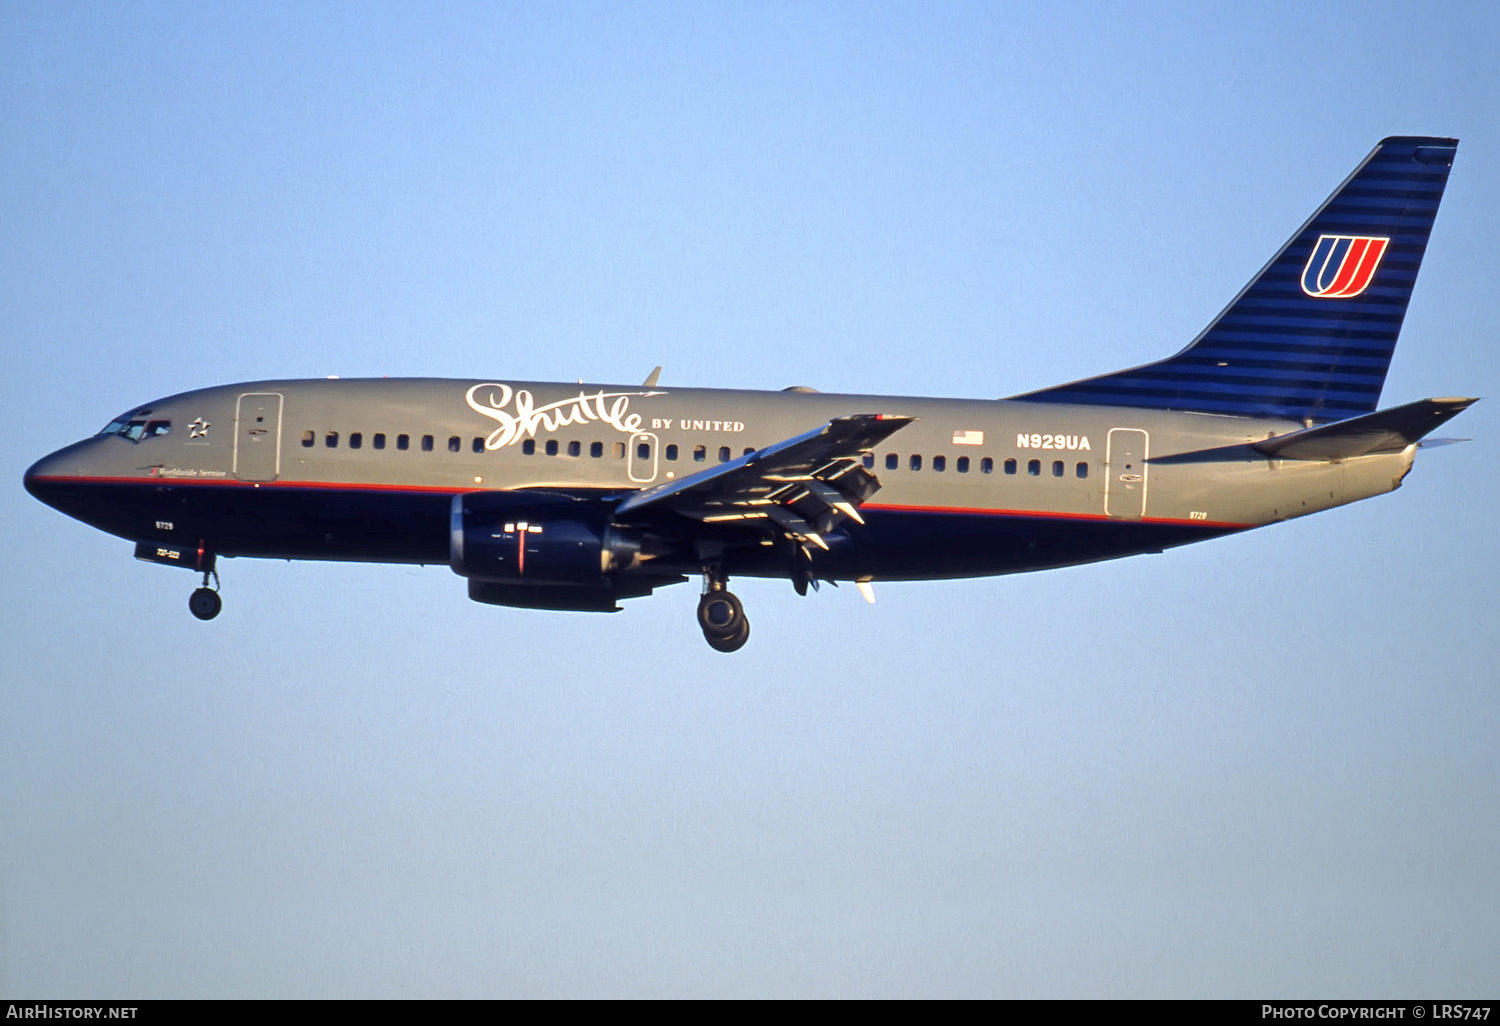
(1311, 336)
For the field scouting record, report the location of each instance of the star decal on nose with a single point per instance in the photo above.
(198, 428)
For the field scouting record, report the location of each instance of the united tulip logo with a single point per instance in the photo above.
(1341, 266)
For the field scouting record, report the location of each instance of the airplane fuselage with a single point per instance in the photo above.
(367, 469)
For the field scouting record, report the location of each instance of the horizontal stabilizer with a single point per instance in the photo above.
(1384, 431)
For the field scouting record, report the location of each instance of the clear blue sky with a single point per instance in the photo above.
(1259, 766)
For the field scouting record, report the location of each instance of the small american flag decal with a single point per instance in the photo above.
(968, 438)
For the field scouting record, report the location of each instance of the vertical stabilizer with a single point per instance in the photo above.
(1311, 336)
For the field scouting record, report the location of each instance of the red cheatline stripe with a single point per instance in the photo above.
(1047, 515)
(158, 482)
(229, 482)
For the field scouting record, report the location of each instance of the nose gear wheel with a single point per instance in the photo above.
(205, 602)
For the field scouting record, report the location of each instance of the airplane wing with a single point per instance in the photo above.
(803, 486)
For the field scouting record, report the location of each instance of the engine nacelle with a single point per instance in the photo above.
(531, 539)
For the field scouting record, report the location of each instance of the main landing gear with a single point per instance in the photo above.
(721, 614)
(205, 602)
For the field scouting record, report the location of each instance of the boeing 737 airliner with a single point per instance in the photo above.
(574, 497)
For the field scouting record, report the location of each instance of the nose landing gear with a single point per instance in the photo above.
(205, 602)
(721, 614)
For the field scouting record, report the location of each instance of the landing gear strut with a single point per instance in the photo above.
(205, 602)
(721, 614)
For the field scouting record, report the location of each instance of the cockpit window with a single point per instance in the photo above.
(137, 425)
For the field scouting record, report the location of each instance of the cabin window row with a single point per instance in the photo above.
(671, 451)
(986, 465)
(356, 440)
(552, 447)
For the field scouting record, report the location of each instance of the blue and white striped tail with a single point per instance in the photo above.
(1311, 337)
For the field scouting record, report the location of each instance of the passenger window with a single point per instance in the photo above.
(868, 459)
(672, 452)
(892, 461)
(643, 450)
(723, 454)
(619, 450)
(596, 449)
(331, 439)
(962, 465)
(1010, 466)
(699, 454)
(403, 442)
(455, 444)
(477, 445)
(1034, 468)
(426, 443)
(749, 449)
(1057, 468)
(940, 463)
(987, 465)
(551, 447)
(528, 447)
(356, 440)
(308, 438)
(1082, 471)
(916, 462)
(378, 441)
(575, 448)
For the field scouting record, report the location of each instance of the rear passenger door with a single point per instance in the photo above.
(1125, 473)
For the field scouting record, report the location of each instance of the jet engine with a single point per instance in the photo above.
(537, 539)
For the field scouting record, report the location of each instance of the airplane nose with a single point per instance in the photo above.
(37, 478)
(47, 476)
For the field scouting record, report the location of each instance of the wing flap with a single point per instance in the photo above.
(807, 466)
(803, 486)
